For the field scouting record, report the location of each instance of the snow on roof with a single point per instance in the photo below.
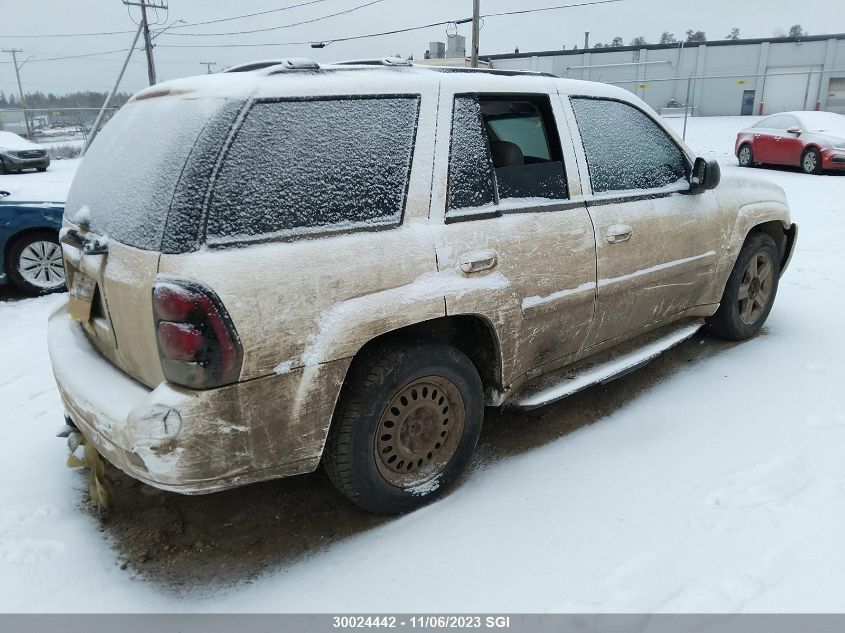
(826, 122)
(286, 79)
(11, 141)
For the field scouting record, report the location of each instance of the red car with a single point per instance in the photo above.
(813, 141)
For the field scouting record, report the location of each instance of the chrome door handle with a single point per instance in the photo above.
(619, 233)
(476, 261)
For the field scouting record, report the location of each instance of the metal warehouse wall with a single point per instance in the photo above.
(721, 78)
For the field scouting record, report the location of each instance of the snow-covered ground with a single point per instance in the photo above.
(711, 481)
(49, 186)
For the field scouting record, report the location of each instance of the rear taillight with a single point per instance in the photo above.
(197, 341)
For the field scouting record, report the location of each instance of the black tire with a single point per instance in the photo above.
(3, 169)
(811, 161)
(728, 322)
(13, 258)
(42, 169)
(351, 459)
(740, 156)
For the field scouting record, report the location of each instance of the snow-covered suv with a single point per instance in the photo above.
(297, 264)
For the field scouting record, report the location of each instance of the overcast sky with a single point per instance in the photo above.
(531, 32)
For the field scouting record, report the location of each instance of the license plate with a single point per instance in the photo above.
(81, 297)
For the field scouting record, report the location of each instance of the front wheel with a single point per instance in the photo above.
(750, 291)
(34, 263)
(406, 425)
(811, 162)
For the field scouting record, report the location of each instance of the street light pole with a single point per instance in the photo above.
(476, 10)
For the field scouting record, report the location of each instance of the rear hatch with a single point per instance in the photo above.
(137, 193)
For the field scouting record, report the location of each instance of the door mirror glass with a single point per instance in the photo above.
(706, 174)
(794, 130)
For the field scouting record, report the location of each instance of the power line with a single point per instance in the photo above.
(229, 19)
(331, 40)
(395, 31)
(561, 6)
(252, 15)
(283, 26)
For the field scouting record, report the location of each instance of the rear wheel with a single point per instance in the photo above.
(745, 156)
(34, 263)
(750, 291)
(406, 425)
(811, 162)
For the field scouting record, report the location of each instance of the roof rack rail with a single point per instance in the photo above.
(384, 61)
(490, 71)
(291, 63)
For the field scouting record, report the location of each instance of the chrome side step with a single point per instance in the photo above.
(574, 379)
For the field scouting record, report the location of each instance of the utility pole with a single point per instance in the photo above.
(14, 52)
(145, 26)
(208, 65)
(476, 10)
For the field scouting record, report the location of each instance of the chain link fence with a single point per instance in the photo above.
(62, 131)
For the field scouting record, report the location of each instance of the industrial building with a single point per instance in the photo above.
(726, 77)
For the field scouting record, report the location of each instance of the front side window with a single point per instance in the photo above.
(503, 148)
(307, 166)
(625, 149)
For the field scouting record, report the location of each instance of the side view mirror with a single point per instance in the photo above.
(3, 194)
(794, 130)
(706, 174)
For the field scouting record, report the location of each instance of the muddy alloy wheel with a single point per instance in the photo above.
(750, 290)
(756, 288)
(745, 156)
(419, 431)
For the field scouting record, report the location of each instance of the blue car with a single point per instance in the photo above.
(29, 245)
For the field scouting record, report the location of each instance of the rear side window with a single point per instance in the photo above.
(625, 149)
(470, 168)
(129, 177)
(778, 122)
(503, 148)
(308, 166)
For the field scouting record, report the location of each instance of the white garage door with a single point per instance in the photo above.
(785, 92)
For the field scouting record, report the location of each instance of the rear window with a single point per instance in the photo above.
(130, 173)
(309, 166)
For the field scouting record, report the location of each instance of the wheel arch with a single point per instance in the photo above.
(783, 235)
(472, 334)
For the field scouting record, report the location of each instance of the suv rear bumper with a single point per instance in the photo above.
(186, 441)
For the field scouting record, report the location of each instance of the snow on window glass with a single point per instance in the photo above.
(625, 148)
(128, 176)
(296, 167)
(470, 168)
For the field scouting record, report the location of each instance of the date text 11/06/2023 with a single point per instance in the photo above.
(422, 622)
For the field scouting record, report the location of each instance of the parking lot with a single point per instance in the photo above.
(711, 480)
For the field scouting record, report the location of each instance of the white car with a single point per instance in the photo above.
(17, 154)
